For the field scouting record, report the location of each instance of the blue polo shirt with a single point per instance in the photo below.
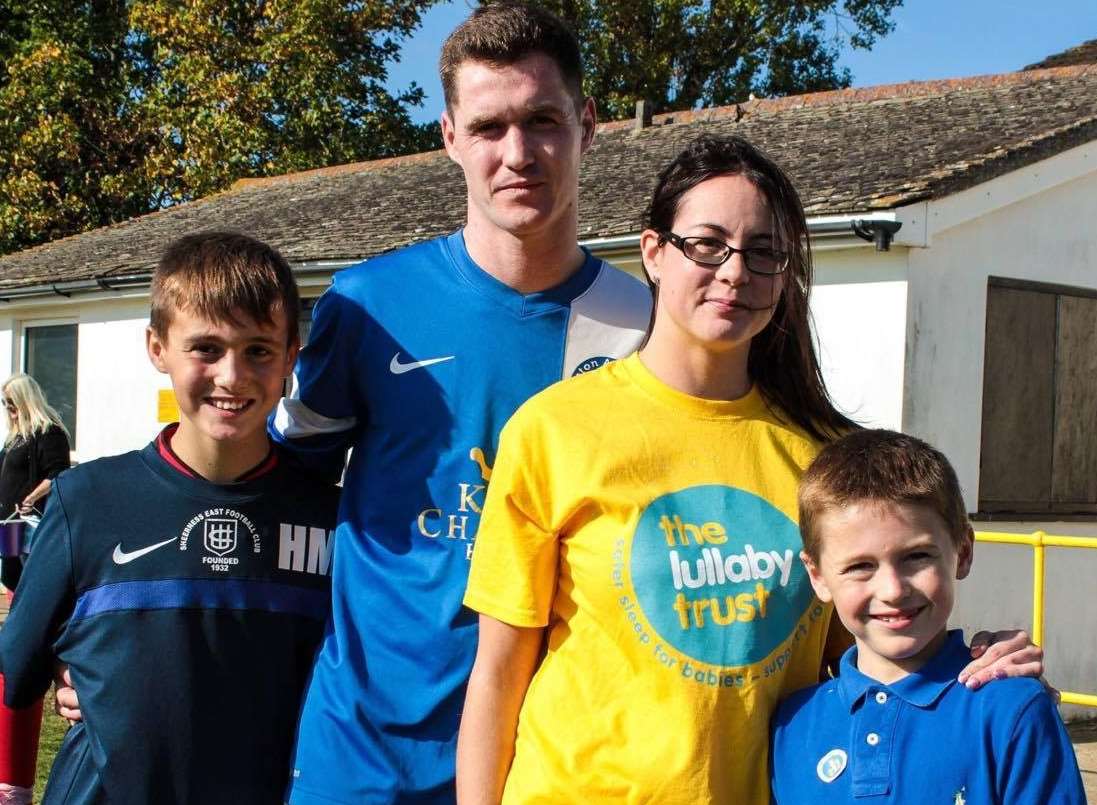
(923, 739)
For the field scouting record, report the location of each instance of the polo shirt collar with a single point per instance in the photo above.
(922, 688)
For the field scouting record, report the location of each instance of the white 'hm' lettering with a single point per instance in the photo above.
(296, 543)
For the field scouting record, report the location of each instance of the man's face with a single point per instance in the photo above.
(518, 135)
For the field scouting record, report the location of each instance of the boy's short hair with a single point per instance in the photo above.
(218, 275)
(879, 466)
(505, 33)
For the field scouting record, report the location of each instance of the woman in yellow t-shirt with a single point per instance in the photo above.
(643, 607)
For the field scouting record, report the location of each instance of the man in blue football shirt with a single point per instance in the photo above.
(416, 360)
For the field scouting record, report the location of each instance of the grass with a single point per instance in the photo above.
(53, 731)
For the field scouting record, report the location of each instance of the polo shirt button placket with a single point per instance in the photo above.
(872, 753)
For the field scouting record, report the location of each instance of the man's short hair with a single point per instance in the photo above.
(504, 33)
(220, 275)
(879, 466)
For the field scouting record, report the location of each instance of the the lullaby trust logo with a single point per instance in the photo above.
(707, 562)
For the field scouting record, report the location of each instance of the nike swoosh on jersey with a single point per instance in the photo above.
(122, 557)
(398, 368)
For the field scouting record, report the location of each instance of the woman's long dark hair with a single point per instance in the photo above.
(782, 359)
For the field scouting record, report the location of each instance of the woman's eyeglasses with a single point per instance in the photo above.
(711, 252)
(8, 404)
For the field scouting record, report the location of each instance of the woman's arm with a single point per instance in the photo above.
(30, 501)
(505, 660)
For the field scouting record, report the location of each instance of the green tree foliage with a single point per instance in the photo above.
(112, 108)
(679, 54)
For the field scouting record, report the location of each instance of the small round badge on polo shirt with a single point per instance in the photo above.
(830, 765)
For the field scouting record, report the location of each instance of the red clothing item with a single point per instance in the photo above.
(19, 732)
(163, 446)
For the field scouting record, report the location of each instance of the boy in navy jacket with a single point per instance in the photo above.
(185, 584)
(885, 537)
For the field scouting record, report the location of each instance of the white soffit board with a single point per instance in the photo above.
(1010, 188)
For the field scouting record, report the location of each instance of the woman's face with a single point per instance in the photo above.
(9, 406)
(719, 308)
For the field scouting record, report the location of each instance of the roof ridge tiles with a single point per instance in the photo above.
(881, 92)
(335, 170)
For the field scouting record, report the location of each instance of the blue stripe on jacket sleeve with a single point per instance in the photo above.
(241, 594)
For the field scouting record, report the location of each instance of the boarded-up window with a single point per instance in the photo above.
(1039, 440)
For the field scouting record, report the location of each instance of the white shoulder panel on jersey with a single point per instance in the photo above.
(295, 420)
(607, 322)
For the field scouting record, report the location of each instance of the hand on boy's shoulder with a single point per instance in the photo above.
(1002, 654)
(1016, 691)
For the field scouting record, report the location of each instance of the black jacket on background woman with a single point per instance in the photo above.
(23, 465)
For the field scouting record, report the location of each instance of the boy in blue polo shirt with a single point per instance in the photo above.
(185, 584)
(885, 536)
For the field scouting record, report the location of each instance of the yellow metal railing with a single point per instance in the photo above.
(1039, 541)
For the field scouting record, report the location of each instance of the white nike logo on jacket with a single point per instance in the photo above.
(122, 557)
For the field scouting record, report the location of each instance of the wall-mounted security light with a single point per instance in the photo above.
(875, 230)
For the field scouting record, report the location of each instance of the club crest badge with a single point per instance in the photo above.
(226, 535)
(831, 765)
(219, 535)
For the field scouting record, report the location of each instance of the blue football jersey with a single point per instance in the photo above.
(416, 360)
(189, 614)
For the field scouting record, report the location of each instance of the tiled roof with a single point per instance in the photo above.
(847, 150)
(1085, 53)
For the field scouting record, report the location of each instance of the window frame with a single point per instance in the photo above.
(20, 358)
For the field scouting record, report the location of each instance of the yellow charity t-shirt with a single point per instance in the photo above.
(654, 534)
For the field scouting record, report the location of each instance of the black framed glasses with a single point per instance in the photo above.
(8, 404)
(713, 252)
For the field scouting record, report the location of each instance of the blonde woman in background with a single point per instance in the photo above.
(35, 451)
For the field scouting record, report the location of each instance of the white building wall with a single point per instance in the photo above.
(859, 307)
(116, 386)
(7, 345)
(1000, 228)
